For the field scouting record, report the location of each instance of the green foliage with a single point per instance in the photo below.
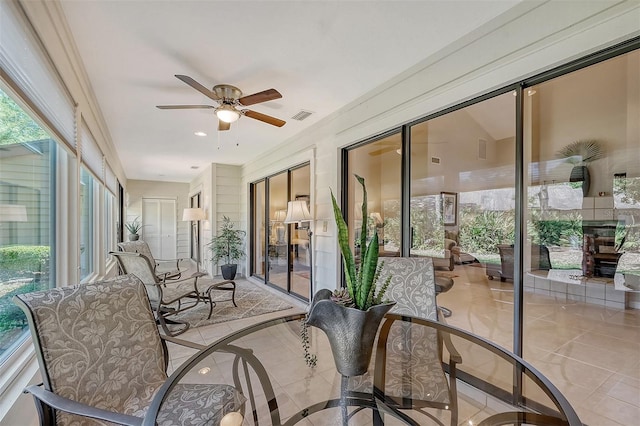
(361, 278)
(19, 261)
(482, 231)
(133, 227)
(15, 125)
(22, 269)
(554, 230)
(228, 243)
(11, 316)
(426, 222)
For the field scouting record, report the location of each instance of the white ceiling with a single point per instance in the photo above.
(320, 55)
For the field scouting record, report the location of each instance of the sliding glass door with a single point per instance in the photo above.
(281, 252)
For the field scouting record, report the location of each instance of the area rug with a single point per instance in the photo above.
(251, 301)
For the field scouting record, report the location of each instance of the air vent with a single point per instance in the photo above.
(301, 115)
(435, 160)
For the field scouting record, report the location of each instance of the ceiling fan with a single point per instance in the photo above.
(229, 98)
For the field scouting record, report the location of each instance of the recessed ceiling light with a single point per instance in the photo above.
(195, 167)
(200, 133)
(204, 370)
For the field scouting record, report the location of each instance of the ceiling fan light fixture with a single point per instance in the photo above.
(227, 113)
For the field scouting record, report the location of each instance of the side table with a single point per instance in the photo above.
(206, 295)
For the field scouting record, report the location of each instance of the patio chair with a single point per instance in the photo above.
(103, 361)
(413, 382)
(167, 297)
(163, 268)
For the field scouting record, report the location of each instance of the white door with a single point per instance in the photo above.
(159, 230)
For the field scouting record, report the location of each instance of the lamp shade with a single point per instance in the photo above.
(377, 218)
(280, 216)
(13, 213)
(297, 211)
(193, 214)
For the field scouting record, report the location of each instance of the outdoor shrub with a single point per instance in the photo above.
(19, 261)
(482, 231)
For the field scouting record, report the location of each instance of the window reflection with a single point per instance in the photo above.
(27, 183)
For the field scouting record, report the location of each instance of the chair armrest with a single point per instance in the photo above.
(193, 276)
(74, 407)
(454, 355)
(169, 260)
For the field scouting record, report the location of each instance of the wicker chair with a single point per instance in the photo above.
(103, 361)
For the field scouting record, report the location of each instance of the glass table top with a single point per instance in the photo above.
(422, 372)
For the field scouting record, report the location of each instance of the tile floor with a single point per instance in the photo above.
(591, 353)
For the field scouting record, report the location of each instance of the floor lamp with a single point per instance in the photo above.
(297, 211)
(194, 215)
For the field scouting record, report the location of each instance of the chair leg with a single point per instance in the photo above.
(164, 324)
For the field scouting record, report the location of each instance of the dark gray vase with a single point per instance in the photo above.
(351, 332)
(229, 271)
(581, 174)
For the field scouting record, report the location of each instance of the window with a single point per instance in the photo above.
(27, 185)
(379, 163)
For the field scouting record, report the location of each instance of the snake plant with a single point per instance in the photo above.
(361, 277)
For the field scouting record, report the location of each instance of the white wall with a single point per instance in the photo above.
(138, 189)
(220, 189)
(511, 47)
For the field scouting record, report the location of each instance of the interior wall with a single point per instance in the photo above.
(138, 189)
(220, 188)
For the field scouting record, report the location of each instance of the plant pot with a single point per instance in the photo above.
(581, 174)
(351, 332)
(134, 237)
(229, 271)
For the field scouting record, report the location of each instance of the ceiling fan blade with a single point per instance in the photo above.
(183, 106)
(256, 98)
(223, 125)
(199, 87)
(263, 117)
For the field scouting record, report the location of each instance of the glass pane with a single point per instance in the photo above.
(27, 183)
(86, 223)
(379, 163)
(300, 244)
(583, 269)
(259, 227)
(278, 246)
(462, 211)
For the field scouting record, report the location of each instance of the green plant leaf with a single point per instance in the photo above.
(368, 272)
(343, 241)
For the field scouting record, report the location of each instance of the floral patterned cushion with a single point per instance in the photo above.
(421, 376)
(101, 347)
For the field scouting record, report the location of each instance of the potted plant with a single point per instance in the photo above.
(227, 246)
(580, 154)
(351, 316)
(133, 228)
